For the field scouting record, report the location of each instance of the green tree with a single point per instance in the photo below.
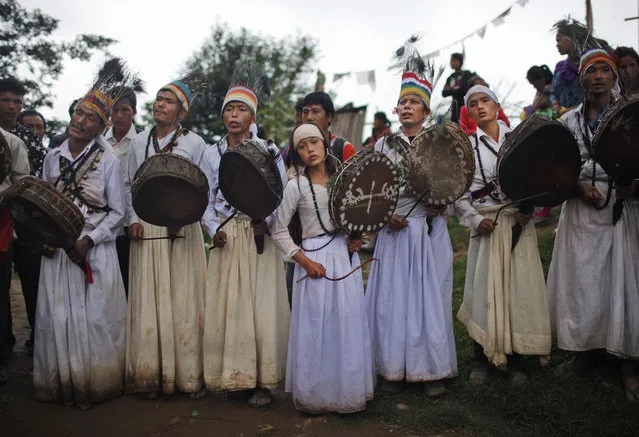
(287, 62)
(28, 52)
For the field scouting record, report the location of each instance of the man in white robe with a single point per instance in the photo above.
(593, 281)
(504, 307)
(80, 317)
(247, 312)
(409, 292)
(167, 277)
(121, 136)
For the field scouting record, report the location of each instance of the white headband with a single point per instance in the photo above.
(306, 130)
(480, 89)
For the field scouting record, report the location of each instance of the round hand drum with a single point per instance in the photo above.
(42, 211)
(250, 180)
(442, 164)
(616, 143)
(363, 194)
(541, 158)
(170, 190)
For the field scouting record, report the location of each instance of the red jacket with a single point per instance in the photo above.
(469, 126)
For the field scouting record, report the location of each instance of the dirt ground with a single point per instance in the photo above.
(177, 416)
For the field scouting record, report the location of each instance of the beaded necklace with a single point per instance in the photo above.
(319, 217)
(586, 132)
(156, 145)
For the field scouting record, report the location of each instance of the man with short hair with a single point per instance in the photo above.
(80, 328)
(593, 279)
(504, 307)
(318, 108)
(247, 313)
(121, 136)
(167, 277)
(26, 251)
(457, 84)
(628, 67)
(35, 121)
(19, 169)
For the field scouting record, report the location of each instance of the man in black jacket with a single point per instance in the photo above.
(457, 84)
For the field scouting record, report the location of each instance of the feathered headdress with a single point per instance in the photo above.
(249, 85)
(581, 36)
(187, 88)
(419, 76)
(113, 80)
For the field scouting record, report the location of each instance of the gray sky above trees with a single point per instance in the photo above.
(157, 36)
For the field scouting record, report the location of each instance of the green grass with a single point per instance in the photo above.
(591, 403)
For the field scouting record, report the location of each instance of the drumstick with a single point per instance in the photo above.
(342, 277)
(417, 203)
(162, 238)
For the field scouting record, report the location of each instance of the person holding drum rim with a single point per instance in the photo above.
(247, 312)
(166, 275)
(409, 292)
(80, 346)
(593, 280)
(504, 307)
(329, 367)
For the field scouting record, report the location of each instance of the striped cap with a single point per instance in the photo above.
(591, 57)
(182, 92)
(242, 94)
(99, 103)
(412, 84)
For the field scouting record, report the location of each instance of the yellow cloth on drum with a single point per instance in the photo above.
(505, 307)
(164, 320)
(246, 313)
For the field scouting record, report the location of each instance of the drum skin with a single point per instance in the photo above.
(616, 142)
(250, 181)
(539, 156)
(46, 214)
(442, 164)
(364, 193)
(170, 190)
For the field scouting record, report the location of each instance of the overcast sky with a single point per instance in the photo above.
(157, 36)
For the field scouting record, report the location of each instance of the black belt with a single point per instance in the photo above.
(483, 192)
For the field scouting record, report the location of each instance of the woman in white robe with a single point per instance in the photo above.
(80, 334)
(329, 366)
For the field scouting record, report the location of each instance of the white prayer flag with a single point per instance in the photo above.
(500, 19)
(482, 32)
(522, 3)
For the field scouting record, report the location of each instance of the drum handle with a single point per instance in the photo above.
(217, 231)
(342, 277)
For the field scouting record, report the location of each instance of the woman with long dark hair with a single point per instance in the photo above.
(539, 77)
(329, 366)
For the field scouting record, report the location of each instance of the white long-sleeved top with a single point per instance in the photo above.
(574, 120)
(218, 206)
(19, 160)
(101, 186)
(190, 146)
(298, 197)
(122, 149)
(466, 207)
